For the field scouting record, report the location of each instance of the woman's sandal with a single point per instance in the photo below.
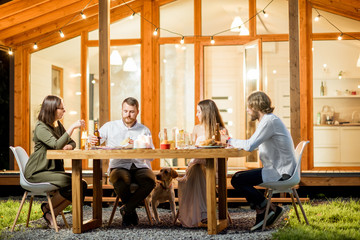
(43, 208)
(48, 221)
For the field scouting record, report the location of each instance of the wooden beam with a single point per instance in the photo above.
(306, 81)
(61, 17)
(21, 100)
(150, 95)
(34, 12)
(252, 22)
(198, 58)
(345, 8)
(294, 71)
(74, 28)
(18, 6)
(104, 61)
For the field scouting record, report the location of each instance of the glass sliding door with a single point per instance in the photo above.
(252, 75)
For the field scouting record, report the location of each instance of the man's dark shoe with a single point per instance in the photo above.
(260, 220)
(278, 213)
(134, 218)
(126, 218)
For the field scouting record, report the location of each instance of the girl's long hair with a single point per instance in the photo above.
(48, 109)
(210, 116)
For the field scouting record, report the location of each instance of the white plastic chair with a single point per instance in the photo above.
(33, 189)
(288, 186)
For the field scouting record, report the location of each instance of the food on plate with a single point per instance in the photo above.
(126, 141)
(208, 142)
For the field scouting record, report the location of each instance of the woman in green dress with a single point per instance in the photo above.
(49, 133)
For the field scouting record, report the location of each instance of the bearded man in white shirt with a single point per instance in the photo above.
(276, 152)
(125, 173)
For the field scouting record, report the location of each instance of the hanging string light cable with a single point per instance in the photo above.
(341, 32)
(229, 29)
(60, 32)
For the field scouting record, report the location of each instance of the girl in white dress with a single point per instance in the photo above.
(192, 187)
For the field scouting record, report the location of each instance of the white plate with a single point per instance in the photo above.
(216, 146)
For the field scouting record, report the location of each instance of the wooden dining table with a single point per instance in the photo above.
(214, 224)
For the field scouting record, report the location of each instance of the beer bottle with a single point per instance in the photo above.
(97, 134)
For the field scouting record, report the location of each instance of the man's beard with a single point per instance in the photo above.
(255, 116)
(129, 120)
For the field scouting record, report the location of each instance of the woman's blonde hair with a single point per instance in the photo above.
(210, 116)
(260, 101)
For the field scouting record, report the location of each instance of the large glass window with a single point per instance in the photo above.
(177, 17)
(336, 103)
(52, 70)
(218, 16)
(223, 75)
(125, 78)
(276, 77)
(275, 20)
(176, 91)
(123, 29)
(343, 23)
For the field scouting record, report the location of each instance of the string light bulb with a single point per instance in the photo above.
(82, 15)
(265, 14)
(317, 18)
(182, 40)
(212, 41)
(35, 46)
(155, 32)
(132, 15)
(340, 37)
(61, 33)
(10, 52)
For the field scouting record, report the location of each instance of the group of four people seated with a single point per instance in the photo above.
(276, 150)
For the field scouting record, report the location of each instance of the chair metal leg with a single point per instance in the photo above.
(176, 216)
(301, 207)
(294, 206)
(52, 212)
(18, 213)
(113, 211)
(267, 209)
(29, 212)
(148, 212)
(66, 223)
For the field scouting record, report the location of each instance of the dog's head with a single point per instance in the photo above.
(167, 174)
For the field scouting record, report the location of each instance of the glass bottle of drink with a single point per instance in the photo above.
(322, 89)
(97, 134)
(83, 139)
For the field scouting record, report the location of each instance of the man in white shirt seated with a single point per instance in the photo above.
(124, 173)
(277, 154)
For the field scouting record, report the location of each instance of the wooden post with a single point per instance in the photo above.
(83, 86)
(294, 71)
(21, 100)
(306, 81)
(198, 55)
(104, 66)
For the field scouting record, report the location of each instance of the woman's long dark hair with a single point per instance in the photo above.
(210, 116)
(48, 109)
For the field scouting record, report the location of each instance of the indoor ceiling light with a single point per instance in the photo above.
(130, 65)
(115, 58)
(236, 24)
(358, 62)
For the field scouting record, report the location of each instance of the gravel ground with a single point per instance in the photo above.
(243, 218)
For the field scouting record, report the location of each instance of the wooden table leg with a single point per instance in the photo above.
(77, 201)
(97, 190)
(211, 195)
(222, 191)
